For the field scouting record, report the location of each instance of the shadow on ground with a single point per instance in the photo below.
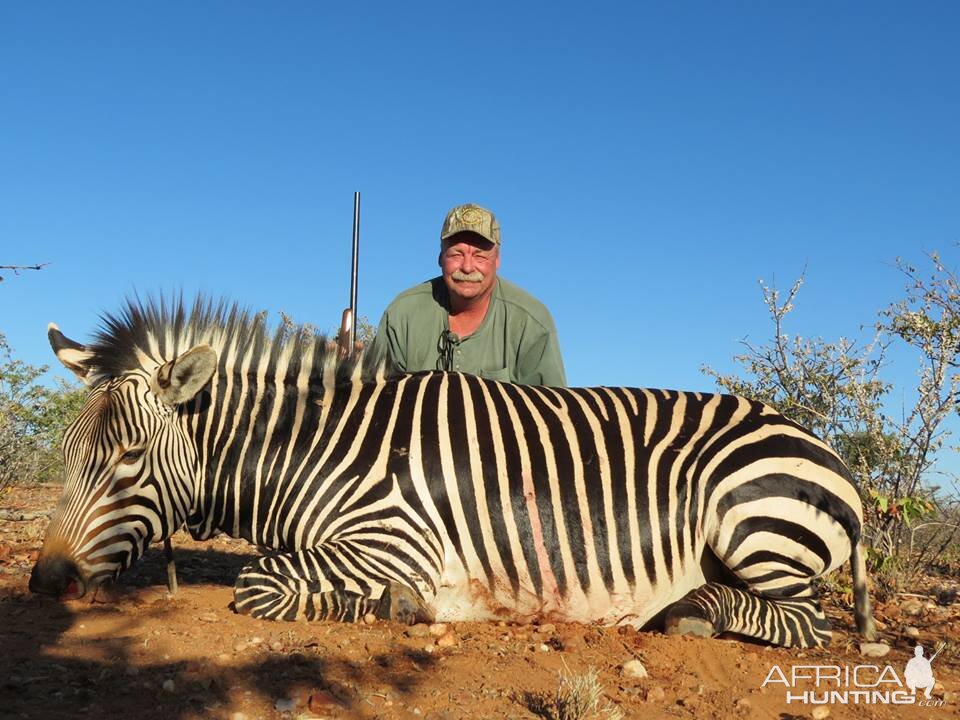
(95, 660)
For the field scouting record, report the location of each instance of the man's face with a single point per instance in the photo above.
(469, 263)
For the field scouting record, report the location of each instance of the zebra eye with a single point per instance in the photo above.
(131, 456)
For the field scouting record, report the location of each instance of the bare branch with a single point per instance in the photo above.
(17, 268)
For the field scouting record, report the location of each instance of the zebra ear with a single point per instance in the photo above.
(179, 380)
(74, 356)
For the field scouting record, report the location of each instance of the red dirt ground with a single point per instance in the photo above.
(141, 654)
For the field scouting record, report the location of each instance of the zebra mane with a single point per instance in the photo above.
(165, 328)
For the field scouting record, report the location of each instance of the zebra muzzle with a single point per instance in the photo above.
(59, 577)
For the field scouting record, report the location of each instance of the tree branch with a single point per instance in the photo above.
(17, 268)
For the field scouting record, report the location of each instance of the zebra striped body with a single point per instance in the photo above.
(448, 496)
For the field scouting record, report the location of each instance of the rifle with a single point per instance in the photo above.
(348, 321)
(940, 646)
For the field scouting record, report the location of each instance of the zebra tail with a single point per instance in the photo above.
(863, 612)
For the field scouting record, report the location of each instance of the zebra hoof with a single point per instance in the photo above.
(695, 626)
(400, 604)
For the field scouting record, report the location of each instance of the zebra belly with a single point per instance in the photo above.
(467, 596)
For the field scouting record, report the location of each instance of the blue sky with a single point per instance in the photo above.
(649, 163)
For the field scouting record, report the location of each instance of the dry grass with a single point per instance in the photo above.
(579, 696)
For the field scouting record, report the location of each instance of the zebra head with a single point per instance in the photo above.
(130, 466)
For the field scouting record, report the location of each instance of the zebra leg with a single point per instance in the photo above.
(317, 584)
(771, 535)
(715, 608)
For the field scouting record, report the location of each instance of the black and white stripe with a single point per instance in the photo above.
(447, 496)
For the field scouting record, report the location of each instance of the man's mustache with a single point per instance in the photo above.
(474, 277)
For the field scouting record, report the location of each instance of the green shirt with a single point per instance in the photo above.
(516, 342)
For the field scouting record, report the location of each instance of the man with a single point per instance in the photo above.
(468, 319)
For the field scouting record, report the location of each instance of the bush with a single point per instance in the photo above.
(32, 420)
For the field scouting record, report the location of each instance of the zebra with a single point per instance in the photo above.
(441, 496)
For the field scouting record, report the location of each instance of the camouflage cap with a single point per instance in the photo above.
(471, 218)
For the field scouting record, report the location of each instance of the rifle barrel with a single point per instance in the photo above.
(353, 268)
